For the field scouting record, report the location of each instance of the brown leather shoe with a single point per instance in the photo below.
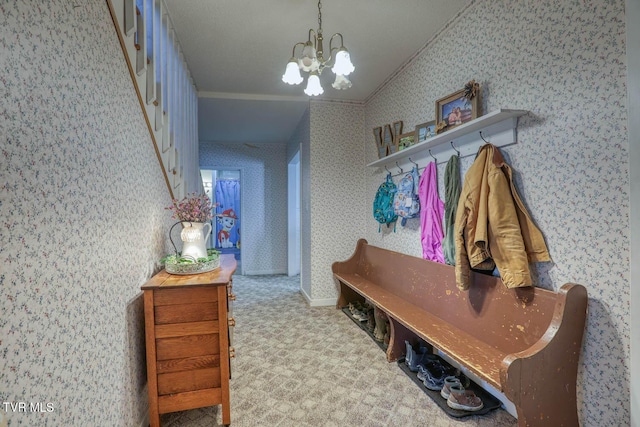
(465, 400)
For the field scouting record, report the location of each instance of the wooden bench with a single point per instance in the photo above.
(525, 342)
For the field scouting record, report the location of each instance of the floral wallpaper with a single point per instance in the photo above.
(264, 198)
(82, 202)
(337, 199)
(564, 62)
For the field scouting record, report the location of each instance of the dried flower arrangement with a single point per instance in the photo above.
(193, 208)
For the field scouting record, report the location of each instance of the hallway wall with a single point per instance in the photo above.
(336, 196)
(82, 200)
(564, 61)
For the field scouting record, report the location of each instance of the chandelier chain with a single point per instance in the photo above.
(319, 15)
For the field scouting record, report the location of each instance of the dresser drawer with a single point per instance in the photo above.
(193, 345)
(188, 363)
(197, 379)
(180, 296)
(180, 313)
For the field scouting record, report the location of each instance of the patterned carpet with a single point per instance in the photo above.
(297, 366)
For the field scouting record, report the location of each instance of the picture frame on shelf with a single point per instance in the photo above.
(455, 109)
(425, 131)
(406, 140)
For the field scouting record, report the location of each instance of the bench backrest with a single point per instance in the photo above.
(509, 319)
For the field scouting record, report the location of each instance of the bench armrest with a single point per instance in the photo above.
(346, 294)
(548, 369)
(350, 265)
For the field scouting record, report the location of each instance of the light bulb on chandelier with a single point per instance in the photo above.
(314, 87)
(313, 62)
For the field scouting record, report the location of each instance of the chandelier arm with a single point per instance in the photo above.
(331, 48)
(311, 31)
(293, 52)
(331, 41)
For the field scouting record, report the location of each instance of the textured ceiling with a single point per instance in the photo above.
(237, 51)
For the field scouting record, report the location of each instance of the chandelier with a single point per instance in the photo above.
(313, 62)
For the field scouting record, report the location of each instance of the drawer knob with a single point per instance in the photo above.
(232, 321)
(232, 297)
(232, 353)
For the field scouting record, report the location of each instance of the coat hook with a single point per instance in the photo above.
(483, 138)
(433, 156)
(413, 162)
(401, 171)
(455, 149)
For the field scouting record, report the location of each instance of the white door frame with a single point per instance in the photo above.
(294, 234)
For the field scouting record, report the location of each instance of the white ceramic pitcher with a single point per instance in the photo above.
(193, 242)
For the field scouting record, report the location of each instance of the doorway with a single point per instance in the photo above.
(293, 207)
(223, 187)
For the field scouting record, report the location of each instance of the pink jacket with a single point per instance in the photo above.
(431, 214)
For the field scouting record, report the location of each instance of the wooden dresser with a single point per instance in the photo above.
(188, 328)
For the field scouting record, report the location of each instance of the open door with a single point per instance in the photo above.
(223, 186)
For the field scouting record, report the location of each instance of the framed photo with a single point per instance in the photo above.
(425, 131)
(456, 109)
(406, 140)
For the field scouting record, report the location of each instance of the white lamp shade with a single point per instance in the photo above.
(343, 63)
(313, 85)
(341, 82)
(292, 73)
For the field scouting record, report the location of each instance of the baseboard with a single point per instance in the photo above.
(325, 302)
(264, 272)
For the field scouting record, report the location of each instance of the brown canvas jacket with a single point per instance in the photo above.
(492, 226)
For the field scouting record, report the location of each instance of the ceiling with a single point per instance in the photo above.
(237, 51)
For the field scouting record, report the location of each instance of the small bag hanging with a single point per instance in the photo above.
(383, 203)
(406, 203)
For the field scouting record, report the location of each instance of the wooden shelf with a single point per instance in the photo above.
(498, 127)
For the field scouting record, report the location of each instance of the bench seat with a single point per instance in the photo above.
(481, 358)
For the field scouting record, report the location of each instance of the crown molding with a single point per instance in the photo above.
(251, 96)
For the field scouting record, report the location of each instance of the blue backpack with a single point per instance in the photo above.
(383, 203)
(406, 203)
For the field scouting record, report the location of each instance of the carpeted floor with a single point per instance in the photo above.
(297, 366)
